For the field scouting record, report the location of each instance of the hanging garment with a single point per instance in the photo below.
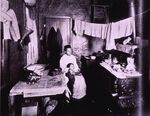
(6, 32)
(4, 16)
(43, 52)
(88, 29)
(14, 28)
(79, 27)
(99, 30)
(11, 28)
(110, 42)
(4, 5)
(110, 31)
(103, 30)
(126, 27)
(123, 28)
(32, 55)
(8, 17)
(54, 46)
(96, 30)
(119, 29)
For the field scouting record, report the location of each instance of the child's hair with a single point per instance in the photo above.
(69, 64)
(66, 47)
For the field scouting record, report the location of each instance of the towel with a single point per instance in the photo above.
(96, 30)
(88, 29)
(127, 27)
(79, 27)
(110, 42)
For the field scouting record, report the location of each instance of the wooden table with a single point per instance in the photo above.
(46, 86)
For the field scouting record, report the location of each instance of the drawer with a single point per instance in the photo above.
(128, 102)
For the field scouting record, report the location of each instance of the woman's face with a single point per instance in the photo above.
(69, 51)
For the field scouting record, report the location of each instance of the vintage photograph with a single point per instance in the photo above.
(75, 57)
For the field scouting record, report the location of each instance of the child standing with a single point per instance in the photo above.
(76, 82)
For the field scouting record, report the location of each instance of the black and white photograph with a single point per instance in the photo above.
(75, 57)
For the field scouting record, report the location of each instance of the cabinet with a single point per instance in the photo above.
(128, 92)
(101, 80)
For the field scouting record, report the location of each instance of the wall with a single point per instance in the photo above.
(76, 9)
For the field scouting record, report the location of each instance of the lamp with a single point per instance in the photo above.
(30, 2)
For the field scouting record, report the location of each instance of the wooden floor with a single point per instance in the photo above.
(86, 107)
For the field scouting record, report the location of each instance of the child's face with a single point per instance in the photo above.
(71, 67)
(69, 51)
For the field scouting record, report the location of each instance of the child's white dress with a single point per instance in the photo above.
(79, 87)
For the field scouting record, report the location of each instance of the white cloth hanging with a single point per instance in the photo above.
(88, 29)
(10, 23)
(110, 31)
(32, 55)
(98, 30)
(127, 27)
(119, 29)
(110, 42)
(79, 27)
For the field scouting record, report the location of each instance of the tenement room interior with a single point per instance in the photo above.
(75, 57)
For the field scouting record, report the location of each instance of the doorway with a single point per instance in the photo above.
(58, 34)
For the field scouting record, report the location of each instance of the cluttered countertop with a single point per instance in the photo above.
(120, 73)
(119, 64)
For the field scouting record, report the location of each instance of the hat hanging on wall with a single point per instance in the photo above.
(30, 2)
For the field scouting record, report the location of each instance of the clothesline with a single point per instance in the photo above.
(109, 31)
(144, 12)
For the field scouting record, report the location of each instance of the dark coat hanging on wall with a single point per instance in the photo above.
(43, 45)
(54, 47)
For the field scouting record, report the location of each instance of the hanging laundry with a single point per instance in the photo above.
(103, 30)
(88, 29)
(79, 27)
(43, 52)
(119, 29)
(6, 32)
(126, 27)
(110, 42)
(96, 30)
(110, 31)
(54, 47)
(33, 53)
(8, 17)
(14, 28)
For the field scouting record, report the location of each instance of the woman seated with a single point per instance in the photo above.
(70, 68)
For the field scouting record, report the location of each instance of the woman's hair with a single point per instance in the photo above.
(69, 64)
(66, 47)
